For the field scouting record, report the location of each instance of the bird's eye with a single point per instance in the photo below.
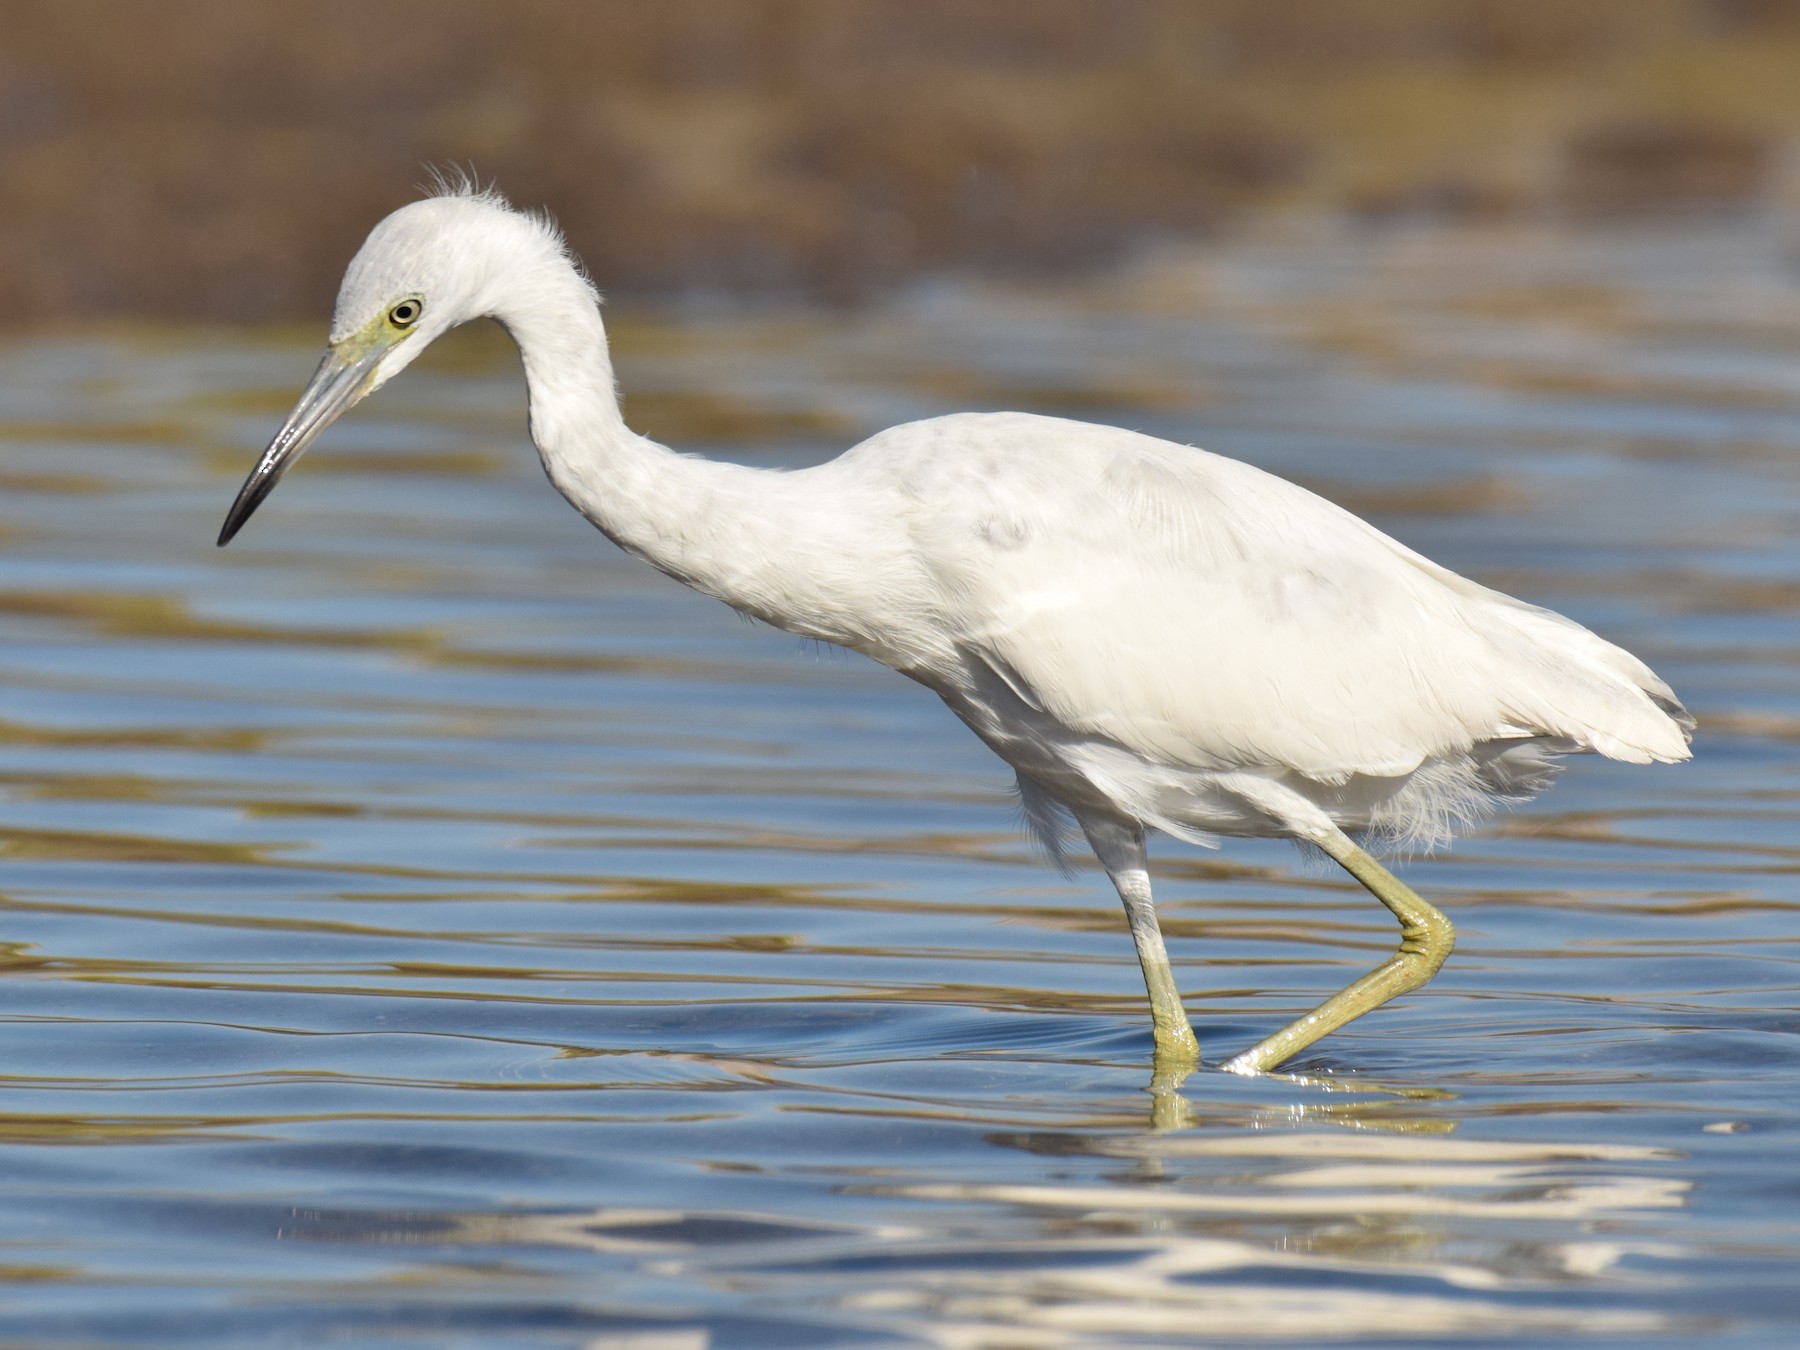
(406, 313)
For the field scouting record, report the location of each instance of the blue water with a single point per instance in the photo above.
(424, 925)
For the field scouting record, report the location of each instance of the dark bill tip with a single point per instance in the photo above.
(335, 387)
(257, 487)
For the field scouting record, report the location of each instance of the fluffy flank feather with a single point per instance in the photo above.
(1445, 796)
(1049, 822)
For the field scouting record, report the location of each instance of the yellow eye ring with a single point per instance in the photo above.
(406, 313)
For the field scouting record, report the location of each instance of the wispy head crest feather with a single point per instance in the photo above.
(463, 182)
(457, 180)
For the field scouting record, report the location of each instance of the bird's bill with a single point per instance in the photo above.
(337, 386)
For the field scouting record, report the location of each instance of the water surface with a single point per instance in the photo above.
(425, 925)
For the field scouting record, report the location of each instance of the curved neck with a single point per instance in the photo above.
(575, 405)
(636, 491)
(755, 539)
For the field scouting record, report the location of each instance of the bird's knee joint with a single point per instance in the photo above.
(1435, 934)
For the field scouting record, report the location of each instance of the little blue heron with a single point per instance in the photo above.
(1151, 636)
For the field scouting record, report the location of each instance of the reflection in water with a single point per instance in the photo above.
(1156, 1255)
(428, 924)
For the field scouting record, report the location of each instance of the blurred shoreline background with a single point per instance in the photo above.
(214, 160)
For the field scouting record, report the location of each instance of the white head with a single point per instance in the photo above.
(460, 255)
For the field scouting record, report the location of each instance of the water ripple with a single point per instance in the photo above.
(422, 923)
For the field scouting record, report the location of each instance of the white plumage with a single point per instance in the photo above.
(1150, 635)
(1094, 591)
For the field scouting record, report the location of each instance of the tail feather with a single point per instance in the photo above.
(1582, 688)
(1569, 683)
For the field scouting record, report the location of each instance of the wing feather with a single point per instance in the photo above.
(1205, 614)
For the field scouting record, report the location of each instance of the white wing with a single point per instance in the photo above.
(1203, 613)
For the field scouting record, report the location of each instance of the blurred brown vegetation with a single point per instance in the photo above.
(222, 158)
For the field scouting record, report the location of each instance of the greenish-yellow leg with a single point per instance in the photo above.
(1175, 1043)
(1120, 848)
(1426, 938)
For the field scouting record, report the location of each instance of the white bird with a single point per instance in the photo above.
(1152, 636)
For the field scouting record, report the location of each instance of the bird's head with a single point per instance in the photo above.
(423, 270)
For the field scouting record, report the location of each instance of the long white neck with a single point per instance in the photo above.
(636, 491)
(758, 540)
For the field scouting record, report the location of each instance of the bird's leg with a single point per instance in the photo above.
(1426, 938)
(1175, 1043)
(1120, 849)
